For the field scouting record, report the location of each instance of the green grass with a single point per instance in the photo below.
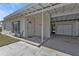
(5, 40)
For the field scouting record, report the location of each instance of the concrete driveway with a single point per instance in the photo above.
(65, 44)
(23, 49)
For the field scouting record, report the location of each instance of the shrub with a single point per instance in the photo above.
(0, 29)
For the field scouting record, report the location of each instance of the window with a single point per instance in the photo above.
(16, 27)
(12, 27)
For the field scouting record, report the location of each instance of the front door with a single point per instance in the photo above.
(29, 28)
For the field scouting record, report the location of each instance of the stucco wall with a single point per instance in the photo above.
(7, 27)
(65, 10)
(8, 24)
(37, 25)
(29, 27)
(46, 25)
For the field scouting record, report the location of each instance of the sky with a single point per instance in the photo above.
(8, 8)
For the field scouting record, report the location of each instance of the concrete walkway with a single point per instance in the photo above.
(23, 49)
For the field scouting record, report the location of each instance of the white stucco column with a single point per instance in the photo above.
(42, 26)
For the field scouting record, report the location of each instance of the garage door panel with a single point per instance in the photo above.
(59, 29)
(64, 29)
(68, 29)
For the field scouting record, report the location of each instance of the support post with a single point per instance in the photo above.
(42, 27)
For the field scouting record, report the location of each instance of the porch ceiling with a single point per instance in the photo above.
(34, 7)
(54, 9)
(38, 6)
(51, 8)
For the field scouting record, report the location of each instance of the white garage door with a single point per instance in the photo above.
(60, 29)
(68, 29)
(64, 29)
